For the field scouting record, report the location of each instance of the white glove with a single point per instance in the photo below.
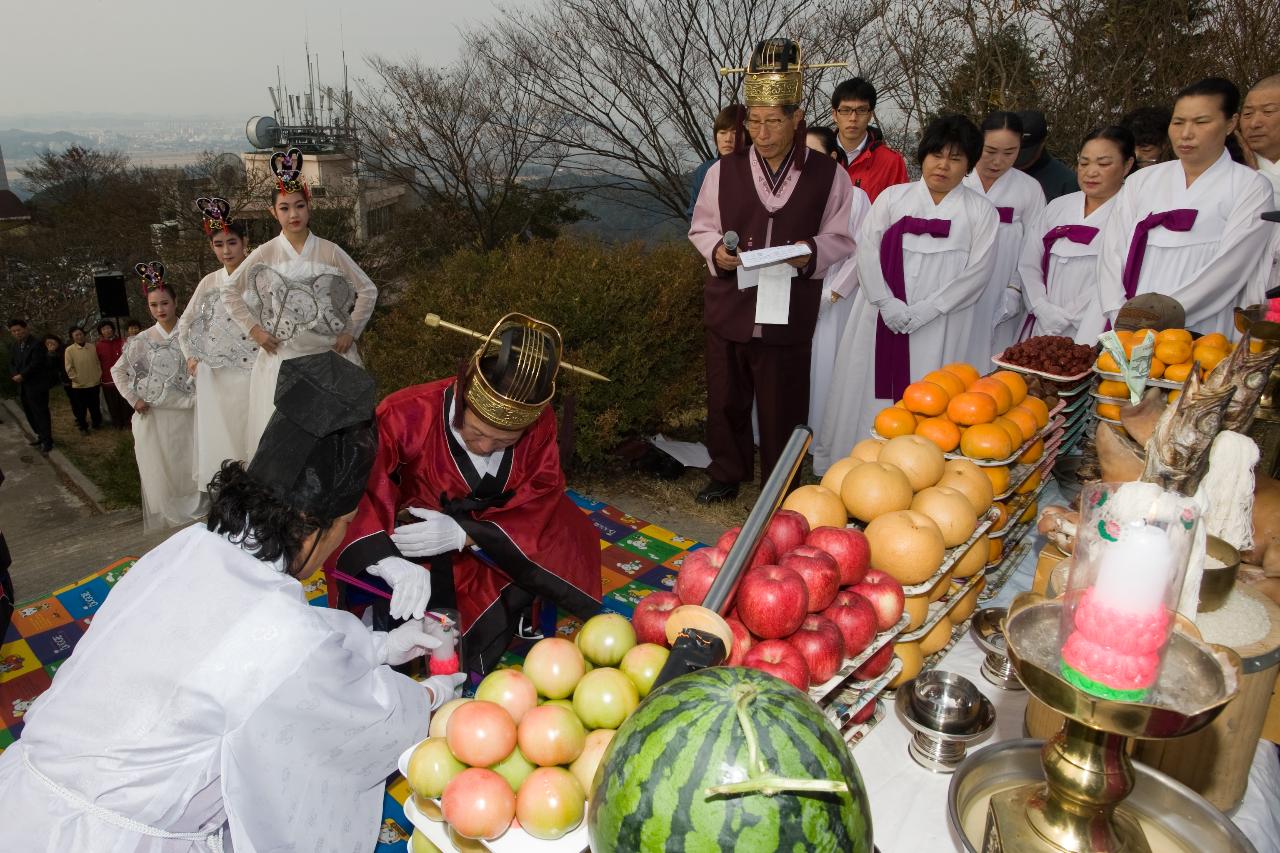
(437, 533)
(1010, 304)
(442, 688)
(895, 314)
(410, 586)
(921, 315)
(1050, 319)
(408, 641)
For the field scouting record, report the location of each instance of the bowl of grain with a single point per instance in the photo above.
(1221, 563)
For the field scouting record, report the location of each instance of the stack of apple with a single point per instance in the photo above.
(807, 601)
(526, 748)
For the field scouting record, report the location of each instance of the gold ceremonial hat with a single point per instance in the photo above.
(512, 377)
(775, 74)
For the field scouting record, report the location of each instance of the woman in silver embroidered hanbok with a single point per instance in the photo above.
(310, 295)
(220, 355)
(152, 377)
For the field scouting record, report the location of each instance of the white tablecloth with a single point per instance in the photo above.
(909, 804)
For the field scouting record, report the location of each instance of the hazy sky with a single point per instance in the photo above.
(196, 56)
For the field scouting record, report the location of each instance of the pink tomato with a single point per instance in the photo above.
(478, 803)
(550, 735)
(555, 666)
(584, 766)
(431, 767)
(511, 689)
(551, 803)
(604, 698)
(480, 733)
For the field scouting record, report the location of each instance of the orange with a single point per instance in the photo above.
(1016, 384)
(1034, 453)
(941, 432)
(1109, 410)
(998, 391)
(1209, 357)
(999, 477)
(1174, 395)
(967, 372)
(972, 407)
(1127, 345)
(985, 441)
(1171, 335)
(1255, 345)
(1114, 388)
(1140, 335)
(899, 404)
(949, 382)
(1039, 409)
(1107, 364)
(1216, 339)
(1124, 336)
(893, 422)
(1157, 368)
(925, 398)
(1175, 372)
(1015, 431)
(1025, 421)
(1173, 352)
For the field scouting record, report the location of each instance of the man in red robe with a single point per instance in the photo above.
(472, 464)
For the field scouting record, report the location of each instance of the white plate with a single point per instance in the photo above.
(1017, 368)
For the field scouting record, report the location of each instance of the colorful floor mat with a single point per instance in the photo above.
(636, 559)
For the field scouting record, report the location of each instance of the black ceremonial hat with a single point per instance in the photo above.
(320, 443)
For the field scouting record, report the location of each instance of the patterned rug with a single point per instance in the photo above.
(636, 558)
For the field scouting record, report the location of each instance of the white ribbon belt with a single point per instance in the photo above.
(211, 840)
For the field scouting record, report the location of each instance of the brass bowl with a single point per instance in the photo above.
(1215, 584)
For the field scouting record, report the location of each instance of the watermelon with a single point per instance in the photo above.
(698, 732)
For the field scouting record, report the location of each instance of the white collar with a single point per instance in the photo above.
(484, 464)
(307, 244)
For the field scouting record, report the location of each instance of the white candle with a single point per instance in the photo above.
(1135, 570)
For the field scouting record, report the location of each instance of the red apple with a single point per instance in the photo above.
(845, 596)
(848, 546)
(876, 664)
(742, 642)
(766, 550)
(885, 595)
(787, 529)
(856, 622)
(650, 616)
(820, 642)
(865, 714)
(780, 659)
(772, 601)
(819, 572)
(696, 574)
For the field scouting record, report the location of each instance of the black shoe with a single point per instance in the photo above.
(715, 491)
(35, 443)
(46, 448)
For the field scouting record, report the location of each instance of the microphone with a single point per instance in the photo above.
(731, 242)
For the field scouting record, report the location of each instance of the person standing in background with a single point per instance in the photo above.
(1033, 159)
(1260, 127)
(108, 347)
(872, 165)
(29, 369)
(84, 374)
(728, 124)
(57, 368)
(1150, 129)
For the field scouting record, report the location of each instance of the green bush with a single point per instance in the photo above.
(629, 312)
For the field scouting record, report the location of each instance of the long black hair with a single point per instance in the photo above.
(249, 515)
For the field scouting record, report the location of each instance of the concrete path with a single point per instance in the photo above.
(55, 531)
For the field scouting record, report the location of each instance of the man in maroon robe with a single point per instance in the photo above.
(472, 464)
(770, 194)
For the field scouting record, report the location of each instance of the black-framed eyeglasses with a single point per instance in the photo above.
(860, 112)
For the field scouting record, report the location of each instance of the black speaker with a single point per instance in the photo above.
(112, 300)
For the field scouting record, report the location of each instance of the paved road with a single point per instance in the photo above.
(55, 534)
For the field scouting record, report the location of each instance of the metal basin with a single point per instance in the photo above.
(1174, 817)
(1215, 584)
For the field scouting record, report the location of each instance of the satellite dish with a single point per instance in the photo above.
(262, 131)
(228, 170)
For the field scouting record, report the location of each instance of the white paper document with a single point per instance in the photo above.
(758, 258)
(773, 294)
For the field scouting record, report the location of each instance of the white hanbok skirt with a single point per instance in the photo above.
(222, 398)
(266, 370)
(826, 344)
(164, 445)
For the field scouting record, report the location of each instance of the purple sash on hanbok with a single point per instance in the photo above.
(1006, 215)
(1172, 220)
(1082, 234)
(893, 350)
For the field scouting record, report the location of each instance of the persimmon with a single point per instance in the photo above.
(1001, 519)
(995, 550)
(941, 432)
(1025, 421)
(998, 392)
(949, 382)
(972, 407)
(892, 422)
(967, 372)
(1016, 384)
(1014, 431)
(925, 398)
(1034, 453)
(986, 441)
(1039, 409)
(999, 477)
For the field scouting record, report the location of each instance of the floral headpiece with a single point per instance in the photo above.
(287, 167)
(216, 213)
(152, 274)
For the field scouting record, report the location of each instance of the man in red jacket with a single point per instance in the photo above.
(872, 164)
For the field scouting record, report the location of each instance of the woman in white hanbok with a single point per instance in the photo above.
(1018, 198)
(220, 355)
(152, 376)
(1190, 228)
(210, 707)
(310, 296)
(1059, 264)
(925, 253)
